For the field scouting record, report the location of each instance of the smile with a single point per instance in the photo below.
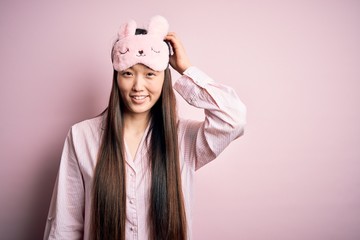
(139, 97)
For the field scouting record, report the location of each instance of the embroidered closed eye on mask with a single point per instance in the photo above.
(148, 49)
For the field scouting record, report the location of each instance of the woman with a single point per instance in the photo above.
(128, 173)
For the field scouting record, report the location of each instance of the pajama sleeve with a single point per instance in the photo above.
(66, 214)
(225, 116)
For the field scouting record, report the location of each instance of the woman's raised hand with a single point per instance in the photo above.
(179, 59)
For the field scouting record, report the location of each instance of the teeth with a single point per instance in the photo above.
(139, 97)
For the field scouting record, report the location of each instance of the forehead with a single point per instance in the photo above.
(140, 67)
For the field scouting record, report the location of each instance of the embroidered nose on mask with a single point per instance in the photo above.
(141, 53)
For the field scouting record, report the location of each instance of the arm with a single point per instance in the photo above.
(66, 214)
(224, 115)
(224, 111)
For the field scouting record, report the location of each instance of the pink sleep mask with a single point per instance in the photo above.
(148, 49)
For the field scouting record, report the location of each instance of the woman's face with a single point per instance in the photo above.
(140, 88)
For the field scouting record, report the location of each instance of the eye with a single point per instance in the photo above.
(126, 74)
(152, 49)
(151, 74)
(127, 49)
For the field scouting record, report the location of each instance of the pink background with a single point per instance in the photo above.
(296, 64)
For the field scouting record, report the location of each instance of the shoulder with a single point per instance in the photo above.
(89, 128)
(89, 124)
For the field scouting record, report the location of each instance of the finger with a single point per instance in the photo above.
(170, 36)
(175, 43)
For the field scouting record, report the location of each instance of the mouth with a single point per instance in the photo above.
(139, 97)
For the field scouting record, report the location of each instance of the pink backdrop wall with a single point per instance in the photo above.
(294, 175)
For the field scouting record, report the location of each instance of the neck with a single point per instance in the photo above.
(136, 123)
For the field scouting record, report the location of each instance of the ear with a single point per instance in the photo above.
(158, 26)
(127, 29)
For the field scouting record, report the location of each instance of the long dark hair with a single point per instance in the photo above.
(166, 216)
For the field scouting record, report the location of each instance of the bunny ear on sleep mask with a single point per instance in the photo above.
(148, 49)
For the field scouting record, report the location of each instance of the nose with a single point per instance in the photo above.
(138, 84)
(141, 52)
